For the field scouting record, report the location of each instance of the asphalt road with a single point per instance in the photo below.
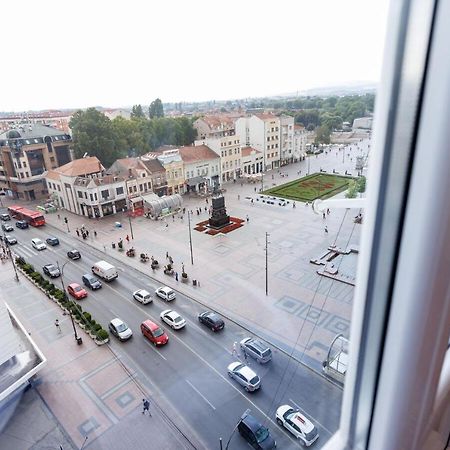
(190, 371)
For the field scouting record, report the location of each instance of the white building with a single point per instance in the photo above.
(286, 139)
(362, 123)
(252, 161)
(300, 141)
(215, 126)
(262, 132)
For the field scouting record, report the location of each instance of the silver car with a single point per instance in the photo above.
(256, 349)
(244, 376)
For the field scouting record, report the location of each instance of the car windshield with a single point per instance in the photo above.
(262, 434)
(51, 267)
(266, 352)
(254, 380)
(77, 289)
(121, 327)
(177, 319)
(158, 332)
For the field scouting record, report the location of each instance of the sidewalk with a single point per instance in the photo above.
(83, 391)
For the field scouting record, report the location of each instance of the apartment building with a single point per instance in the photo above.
(26, 153)
(252, 161)
(215, 126)
(262, 131)
(300, 141)
(286, 139)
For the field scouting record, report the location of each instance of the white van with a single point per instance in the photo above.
(105, 270)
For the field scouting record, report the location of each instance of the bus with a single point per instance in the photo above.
(33, 218)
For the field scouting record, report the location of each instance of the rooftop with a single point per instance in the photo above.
(246, 151)
(31, 131)
(79, 167)
(197, 153)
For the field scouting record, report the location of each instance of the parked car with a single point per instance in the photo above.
(91, 282)
(51, 270)
(294, 421)
(76, 291)
(154, 333)
(22, 224)
(257, 435)
(142, 296)
(245, 376)
(256, 349)
(211, 320)
(5, 217)
(52, 241)
(9, 239)
(7, 227)
(165, 293)
(74, 254)
(38, 244)
(120, 329)
(173, 319)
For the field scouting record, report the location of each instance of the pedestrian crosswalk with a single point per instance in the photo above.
(24, 251)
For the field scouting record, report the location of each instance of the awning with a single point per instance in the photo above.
(196, 180)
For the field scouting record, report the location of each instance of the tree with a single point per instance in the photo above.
(156, 109)
(137, 112)
(352, 190)
(332, 121)
(306, 117)
(93, 133)
(361, 184)
(322, 135)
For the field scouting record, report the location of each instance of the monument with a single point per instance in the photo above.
(219, 217)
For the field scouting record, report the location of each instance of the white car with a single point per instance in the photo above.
(173, 319)
(38, 244)
(244, 376)
(165, 293)
(120, 329)
(142, 296)
(294, 421)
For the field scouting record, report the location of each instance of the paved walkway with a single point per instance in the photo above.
(83, 390)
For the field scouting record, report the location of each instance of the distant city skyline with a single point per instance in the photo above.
(92, 53)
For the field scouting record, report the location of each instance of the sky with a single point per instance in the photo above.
(78, 53)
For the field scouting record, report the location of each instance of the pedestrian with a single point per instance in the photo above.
(146, 406)
(247, 218)
(78, 232)
(252, 202)
(127, 238)
(293, 205)
(167, 255)
(59, 217)
(206, 199)
(84, 236)
(173, 218)
(328, 210)
(58, 327)
(95, 233)
(326, 229)
(245, 357)
(206, 209)
(87, 232)
(198, 283)
(255, 188)
(167, 225)
(323, 215)
(239, 197)
(235, 350)
(176, 276)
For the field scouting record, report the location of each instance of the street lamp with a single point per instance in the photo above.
(246, 413)
(267, 266)
(61, 270)
(8, 249)
(190, 237)
(127, 209)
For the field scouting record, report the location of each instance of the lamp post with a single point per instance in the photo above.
(246, 413)
(190, 237)
(8, 249)
(127, 210)
(267, 266)
(61, 270)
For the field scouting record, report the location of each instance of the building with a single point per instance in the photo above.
(157, 175)
(53, 118)
(26, 153)
(252, 161)
(201, 167)
(362, 123)
(229, 150)
(113, 113)
(300, 141)
(215, 126)
(286, 139)
(262, 131)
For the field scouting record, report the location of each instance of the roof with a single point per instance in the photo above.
(246, 151)
(52, 175)
(298, 127)
(218, 121)
(153, 165)
(83, 166)
(123, 167)
(266, 116)
(197, 153)
(31, 131)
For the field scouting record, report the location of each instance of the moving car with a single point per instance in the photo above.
(297, 424)
(154, 333)
(254, 433)
(120, 329)
(7, 227)
(91, 282)
(51, 270)
(165, 293)
(256, 349)
(76, 291)
(22, 224)
(74, 254)
(142, 296)
(5, 217)
(244, 376)
(9, 239)
(211, 320)
(52, 241)
(173, 319)
(38, 244)
(105, 270)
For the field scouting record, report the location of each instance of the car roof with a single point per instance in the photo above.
(302, 422)
(73, 251)
(36, 240)
(116, 322)
(173, 314)
(143, 292)
(152, 325)
(256, 343)
(247, 372)
(74, 285)
(166, 289)
(251, 422)
(50, 265)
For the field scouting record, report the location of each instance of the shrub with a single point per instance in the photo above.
(28, 268)
(20, 261)
(87, 316)
(102, 335)
(97, 327)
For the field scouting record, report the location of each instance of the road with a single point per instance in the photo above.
(190, 372)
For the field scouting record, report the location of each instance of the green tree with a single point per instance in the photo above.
(137, 112)
(308, 116)
(352, 190)
(361, 184)
(323, 135)
(93, 134)
(156, 109)
(332, 121)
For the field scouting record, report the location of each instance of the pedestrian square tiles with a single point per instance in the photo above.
(88, 426)
(124, 399)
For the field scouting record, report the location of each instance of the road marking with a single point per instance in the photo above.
(201, 395)
(154, 349)
(310, 417)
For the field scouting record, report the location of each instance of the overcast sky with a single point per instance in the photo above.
(67, 54)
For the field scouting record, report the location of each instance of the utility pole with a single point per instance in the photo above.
(267, 267)
(190, 237)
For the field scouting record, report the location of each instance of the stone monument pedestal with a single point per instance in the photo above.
(219, 217)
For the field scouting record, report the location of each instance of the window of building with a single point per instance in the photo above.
(119, 190)
(91, 197)
(80, 194)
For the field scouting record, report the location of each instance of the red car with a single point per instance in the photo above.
(154, 333)
(76, 291)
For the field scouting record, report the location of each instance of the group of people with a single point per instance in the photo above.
(84, 232)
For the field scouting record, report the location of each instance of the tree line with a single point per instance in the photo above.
(108, 140)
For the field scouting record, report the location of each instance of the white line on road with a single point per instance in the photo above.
(201, 395)
(310, 417)
(156, 351)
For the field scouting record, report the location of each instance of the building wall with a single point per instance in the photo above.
(287, 139)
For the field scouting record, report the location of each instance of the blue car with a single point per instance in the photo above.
(52, 241)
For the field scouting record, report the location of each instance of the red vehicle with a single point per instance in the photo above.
(33, 218)
(154, 333)
(76, 291)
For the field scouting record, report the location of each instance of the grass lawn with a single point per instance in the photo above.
(309, 188)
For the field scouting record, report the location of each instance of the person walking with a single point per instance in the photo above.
(146, 407)
(95, 233)
(235, 350)
(323, 215)
(239, 197)
(57, 325)
(293, 205)
(167, 255)
(176, 276)
(127, 238)
(248, 218)
(326, 229)
(78, 232)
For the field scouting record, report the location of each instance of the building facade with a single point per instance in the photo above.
(300, 141)
(252, 161)
(286, 139)
(26, 153)
(214, 126)
(174, 168)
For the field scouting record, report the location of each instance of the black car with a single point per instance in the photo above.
(22, 224)
(211, 320)
(257, 435)
(51, 270)
(73, 254)
(7, 227)
(5, 217)
(91, 282)
(52, 241)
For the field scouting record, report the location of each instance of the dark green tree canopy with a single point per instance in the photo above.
(156, 109)
(137, 112)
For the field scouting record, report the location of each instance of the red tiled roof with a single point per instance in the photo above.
(82, 166)
(246, 151)
(197, 153)
(266, 116)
